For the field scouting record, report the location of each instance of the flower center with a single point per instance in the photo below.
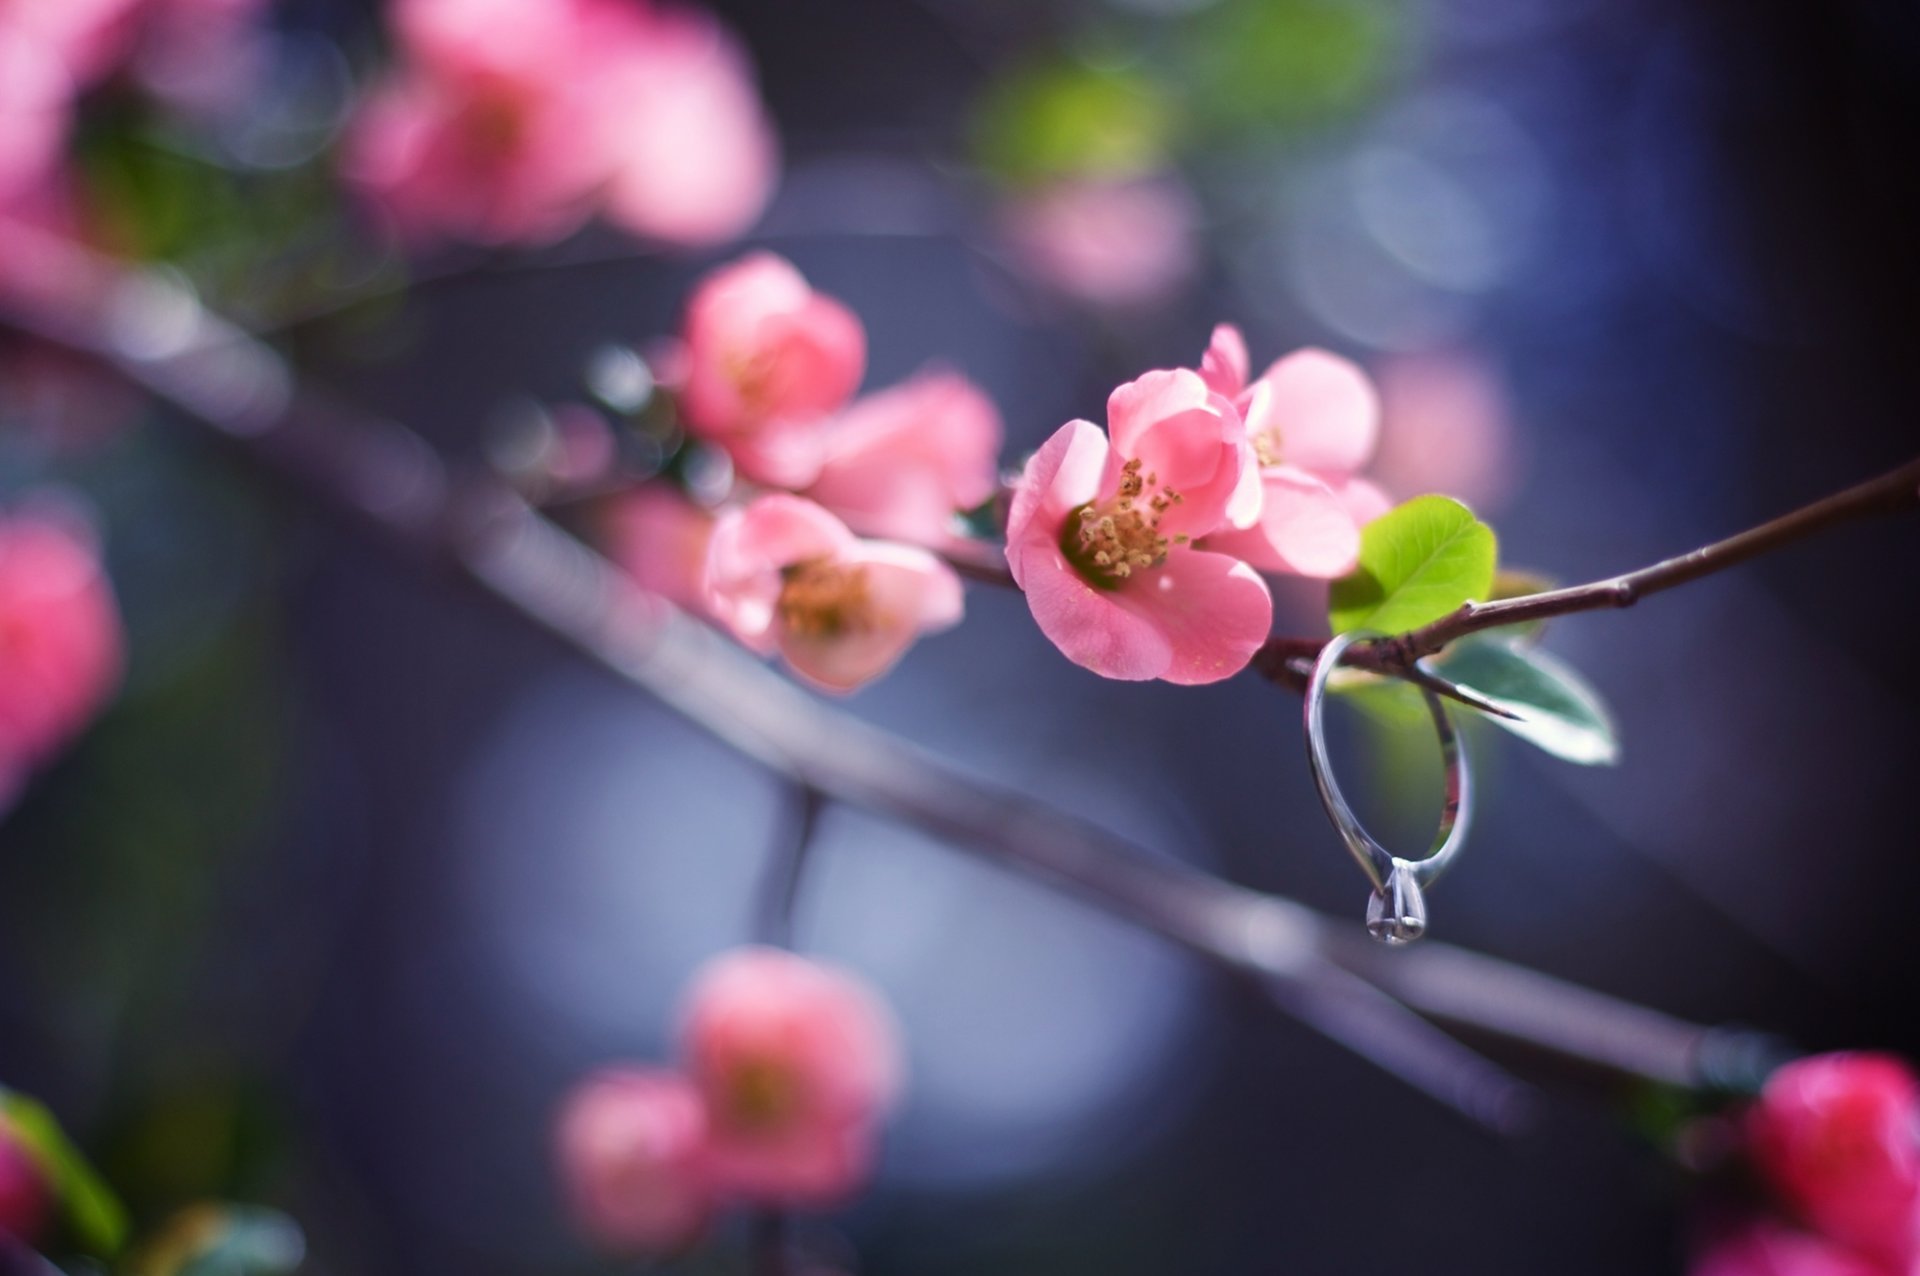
(820, 598)
(1266, 446)
(760, 1094)
(1108, 541)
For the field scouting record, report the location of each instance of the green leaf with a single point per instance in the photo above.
(1417, 563)
(90, 1209)
(1067, 118)
(1520, 582)
(1557, 710)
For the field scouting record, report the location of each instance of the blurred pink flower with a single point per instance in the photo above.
(26, 1198)
(60, 642)
(1100, 537)
(797, 1062)
(903, 461)
(1311, 422)
(1446, 428)
(35, 94)
(512, 121)
(660, 538)
(1838, 1136)
(86, 38)
(695, 155)
(1107, 242)
(631, 1144)
(784, 575)
(767, 360)
(1770, 1249)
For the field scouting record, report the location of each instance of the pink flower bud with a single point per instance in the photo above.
(1769, 1249)
(630, 1144)
(660, 538)
(60, 640)
(784, 575)
(26, 1199)
(797, 1062)
(1838, 1136)
(768, 360)
(1101, 536)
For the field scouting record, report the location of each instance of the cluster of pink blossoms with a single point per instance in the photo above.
(1836, 1141)
(61, 647)
(765, 372)
(513, 121)
(1140, 547)
(787, 1066)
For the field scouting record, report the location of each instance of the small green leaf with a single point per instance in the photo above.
(1067, 118)
(1519, 582)
(1417, 563)
(92, 1212)
(1558, 711)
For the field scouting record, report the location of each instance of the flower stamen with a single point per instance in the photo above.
(820, 598)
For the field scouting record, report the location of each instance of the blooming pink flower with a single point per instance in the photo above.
(1311, 422)
(631, 1144)
(767, 359)
(695, 156)
(901, 462)
(1838, 1136)
(1106, 242)
(784, 575)
(797, 1062)
(1101, 537)
(60, 641)
(1769, 1249)
(660, 538)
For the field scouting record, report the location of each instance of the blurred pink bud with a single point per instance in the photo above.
(784, 575)
(35, 95)
(61, 648)
(631, 1144)
(1101, 535)
(660, 538)
(797, 1062)
(903, 461)
(1838, 1136)
(1448, 428)
(768, 359)
(1769, 1249)
(1311, 422)
(26, 1198)
(1106, 242)
(695, 155)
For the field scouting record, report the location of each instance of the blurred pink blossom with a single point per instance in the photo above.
(1770, 1249)
(784, 575)
(61, 647)
(35, 92)
(26, 1198)
(1107, 242)
(631, 1144)
(1838, 1136)
(660, 538)
(1447, 427)
(797, 1061)
(1312, 418)
(1100, 536)
(903, 461)
(512, 121)
(87, 38)
(767, 361)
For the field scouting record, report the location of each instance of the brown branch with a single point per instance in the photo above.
(384, 480)
(1897, 489)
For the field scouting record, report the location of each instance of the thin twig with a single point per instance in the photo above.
(785, 867)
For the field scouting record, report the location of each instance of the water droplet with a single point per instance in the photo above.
(1398, 913)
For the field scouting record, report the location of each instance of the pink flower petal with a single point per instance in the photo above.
(1308, 525)
(1149, 399)
(1212, 611)
(630, 1142)
(1066, 473)
(1090, 626)
(751, 546)
(1225, 366)
(911, 593)
(1324, 409)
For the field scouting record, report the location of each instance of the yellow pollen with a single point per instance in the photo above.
(820, 598)
(1118, 537)
(1266, 446)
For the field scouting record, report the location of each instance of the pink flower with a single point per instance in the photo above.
(767, 359)
(1769, 1249)
(902, 462)
(631, 1144)
(60, 641)
(797, 1062)
(1101, 537)
(35, 96)
(660, 538)
(86, 37)
(784, 575)
(1448, 427)
(1107, 242)
(1311, 423)
(1838, 1136)
(695, 156)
